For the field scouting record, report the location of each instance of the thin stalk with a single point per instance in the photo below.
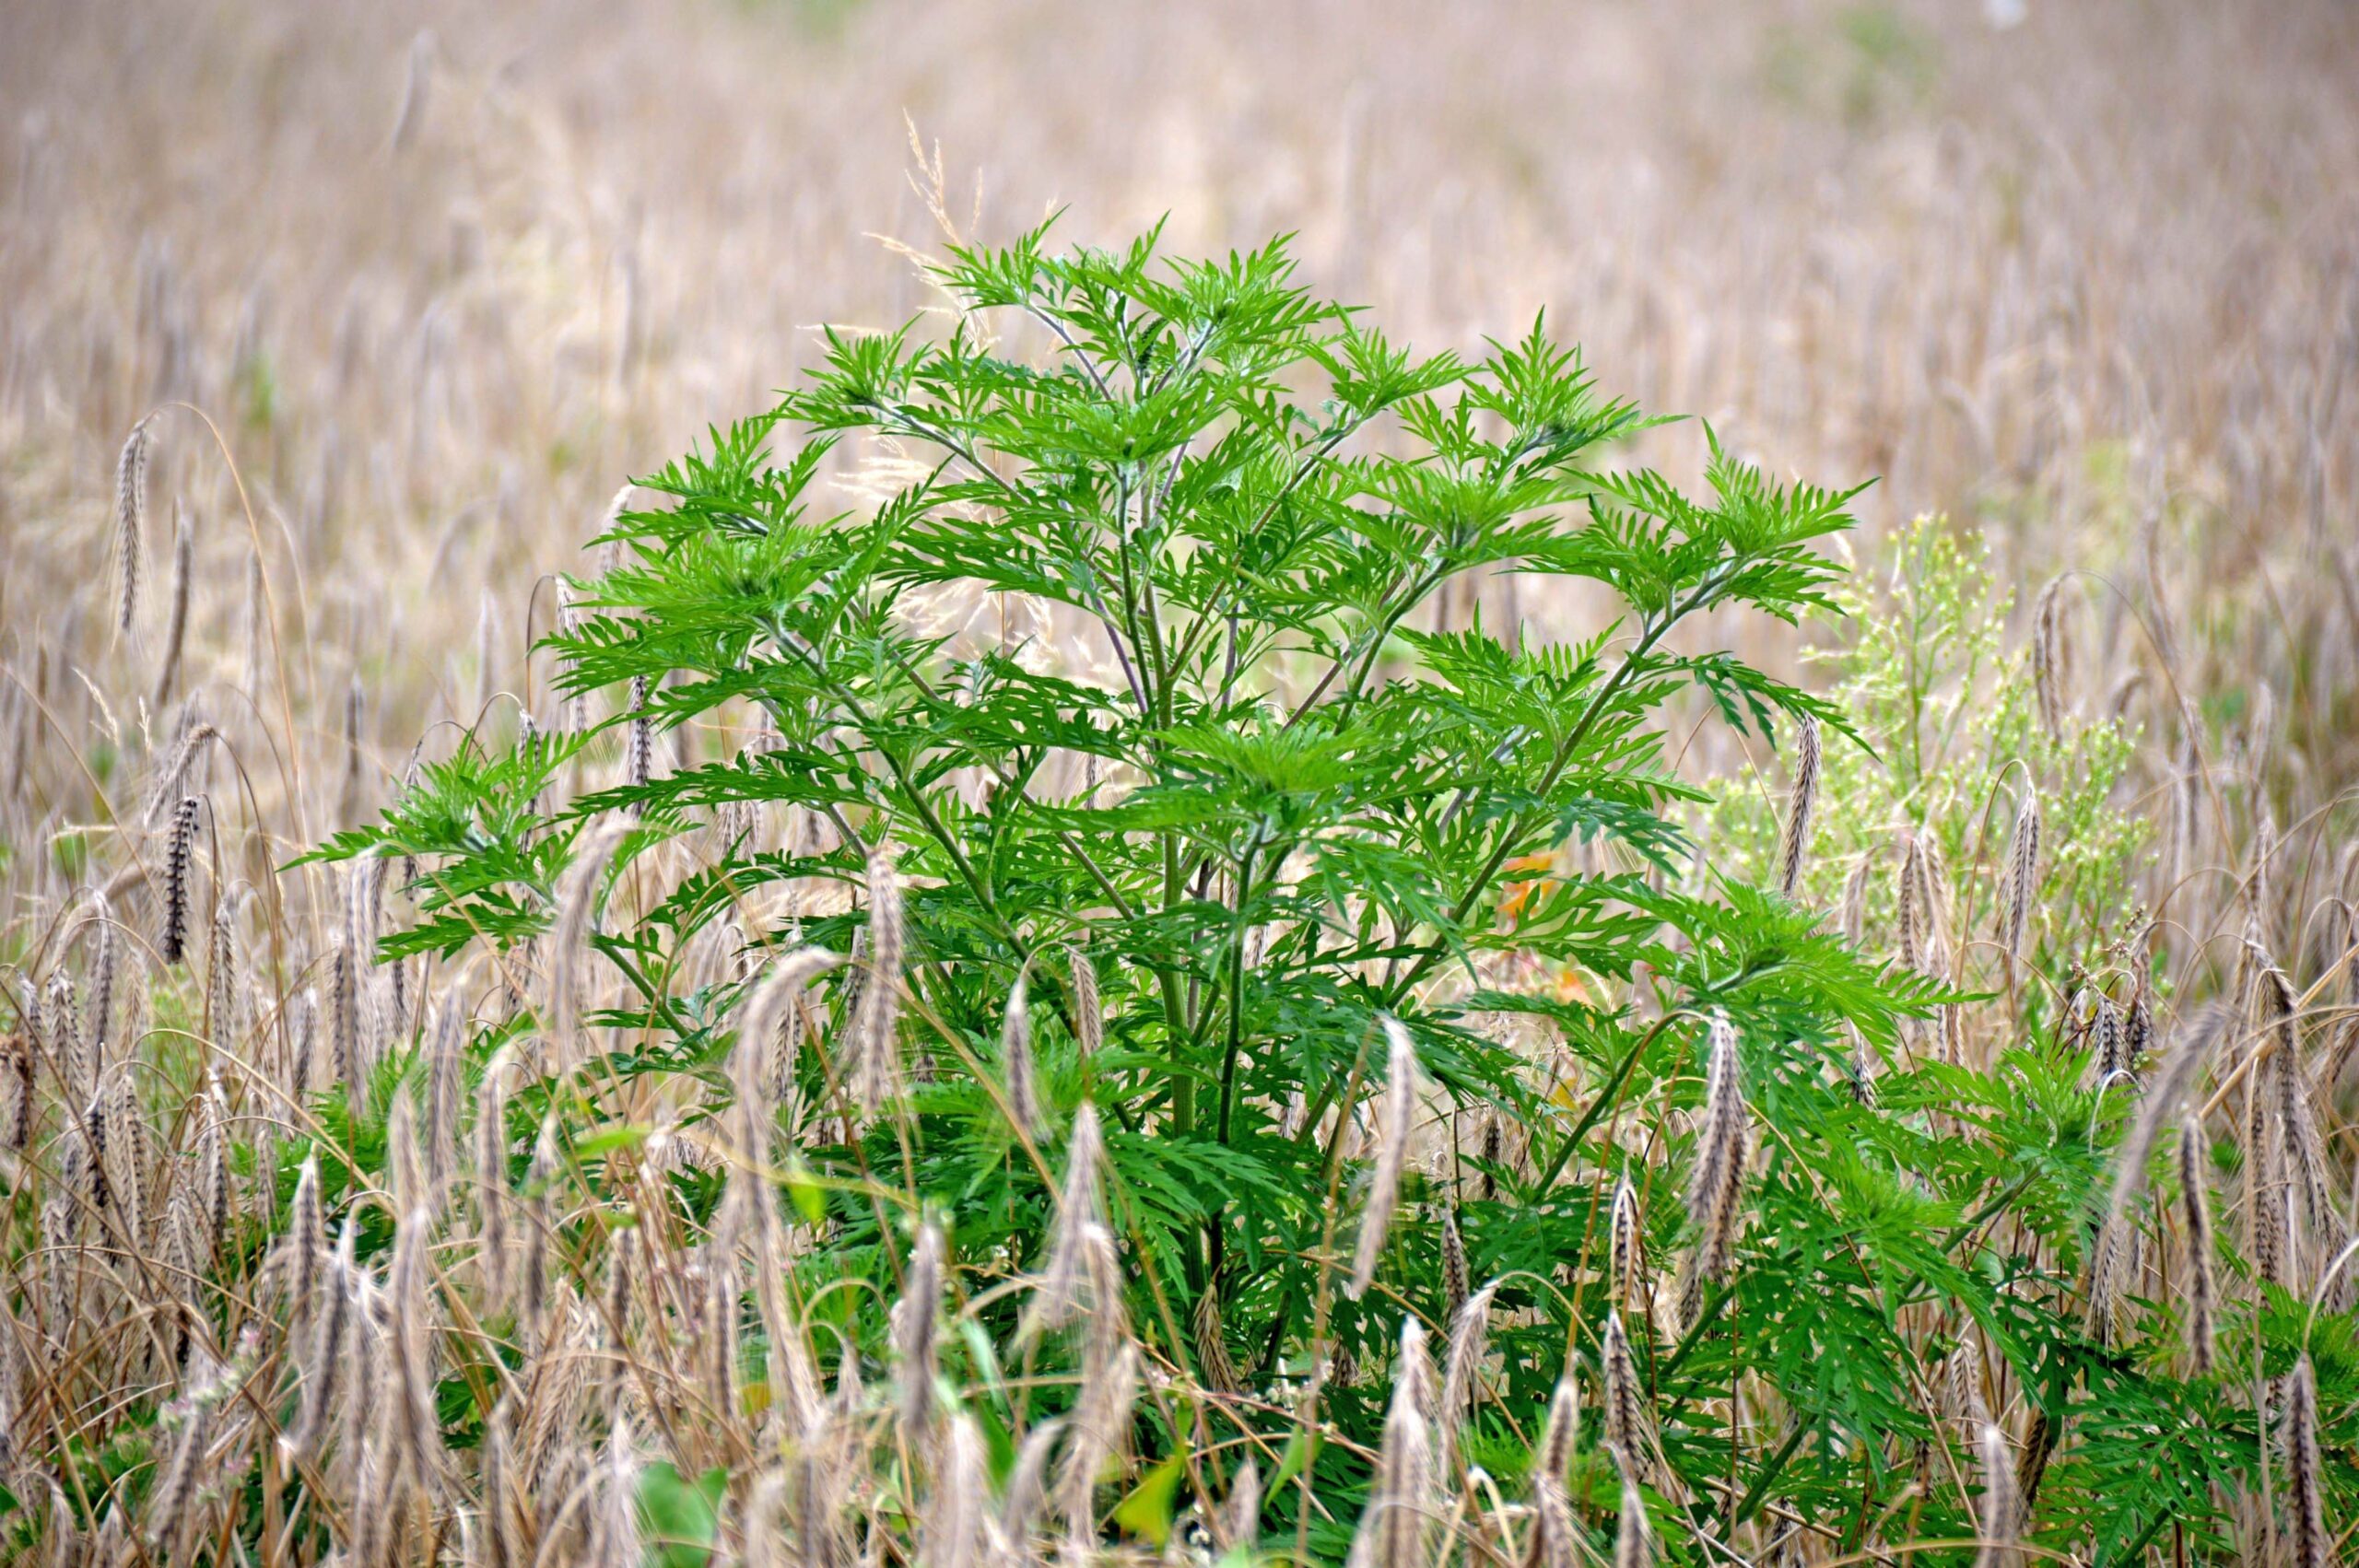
(1770, 1469)
(1564, 750)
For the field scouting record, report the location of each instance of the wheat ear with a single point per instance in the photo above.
(1800, 806)
(1396, 1113)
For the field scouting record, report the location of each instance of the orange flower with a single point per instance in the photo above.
(1521, 893)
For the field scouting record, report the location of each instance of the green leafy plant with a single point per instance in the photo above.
(1274, 812)
(1190, 877)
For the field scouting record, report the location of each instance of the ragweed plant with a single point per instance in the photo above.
(1265, 810)
(1263, 818)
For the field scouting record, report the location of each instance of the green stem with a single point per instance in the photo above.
(1605, 1095)
(1210, 616)
(909, 790)
(1705, 1317)
(1518, 828)
(1759, 1490)
(1064, 837)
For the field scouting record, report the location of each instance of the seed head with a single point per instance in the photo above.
(302, 1026)
(1999, 1509)
(212, 1165)
(1088, 1008)
(1800, 805)
(2182, 1064)
(570, 938)
(2047, 658)
(1716, 1181)
(1028, 1482)
(2304, 1482)
(104, 968)
(1556, 1439)
(956, 1526)
(130, 520)
(1625, 1249)
(332, 1325)
(305, 1241)
(1213, 1364)
(168, 670)
(16, 1091)
(177, 873)
(417, 1428)
(491, 1181)
(175, 1498)
(876, 1064)
(1015, 1061)
(2023, 873)
(445, 1066)
(1393, 1528)
(759, 1070)
(914, 1319)
(1396, 1114)
(70, 1054)
(1454, 1267)
(1629, 1429)
(1469, 1333)
(405, 1155)
(1101, 1416)
(1242, 1517)
(1064, 1282)
(2195, 1209)
(1906, 897)
(1633, 1543)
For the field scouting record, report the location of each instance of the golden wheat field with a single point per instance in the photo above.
(360, 1213)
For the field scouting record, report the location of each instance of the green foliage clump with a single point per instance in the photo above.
(1949, 713)
(1121, 661)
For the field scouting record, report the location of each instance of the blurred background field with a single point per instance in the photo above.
(2081, 276)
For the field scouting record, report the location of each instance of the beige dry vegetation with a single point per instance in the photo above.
(399, 295)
